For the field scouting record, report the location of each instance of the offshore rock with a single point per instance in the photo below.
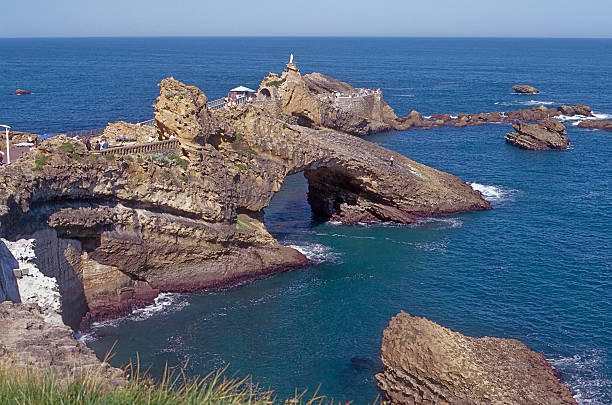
(22, 92)
(604, 125)
(546, 134)
(577, 109)
(28, 341)
(322, 102)
(525, 89)
(426, 363)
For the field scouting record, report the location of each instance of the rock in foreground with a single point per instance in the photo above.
(546, 134)
(27, 340)
(426, 363)
(525, 89)
(604, 125)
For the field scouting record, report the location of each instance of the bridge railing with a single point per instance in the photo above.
(221, 102)
(170, 145)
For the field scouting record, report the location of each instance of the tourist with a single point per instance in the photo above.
(150, 139)
(1, 157)
(105, 144)
(391, 161)
(88, 144)
(97, 146)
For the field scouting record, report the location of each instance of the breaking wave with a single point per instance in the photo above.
(317, 253)
(493, 194)
(163, 303)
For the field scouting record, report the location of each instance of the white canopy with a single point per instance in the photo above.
(243, 89)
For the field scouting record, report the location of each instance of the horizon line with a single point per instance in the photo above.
(305, 37)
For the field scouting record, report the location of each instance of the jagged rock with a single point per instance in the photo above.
(426, 363)
(604, 125)
(28, 341)
(546, 134)
(525, 89)
(118, 132)
(577, 109)
(22, 92)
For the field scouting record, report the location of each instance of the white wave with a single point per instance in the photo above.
(444, 222)
(163, 303)
(536, 102)
(582, 374)
(335, 223)
(317, 253)
(578, 118)
(492, 194)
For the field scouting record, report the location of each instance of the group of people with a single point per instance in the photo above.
(98, 145)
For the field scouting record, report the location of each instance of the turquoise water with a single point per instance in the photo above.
(537, 267)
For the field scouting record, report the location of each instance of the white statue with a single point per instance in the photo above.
(291, 58)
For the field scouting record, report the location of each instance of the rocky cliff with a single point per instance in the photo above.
(426, 363)
(122, 228)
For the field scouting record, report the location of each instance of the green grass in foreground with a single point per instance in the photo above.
(28, 386)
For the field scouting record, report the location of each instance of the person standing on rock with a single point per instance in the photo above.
(88, 144)
(1, 157)
(391, 161)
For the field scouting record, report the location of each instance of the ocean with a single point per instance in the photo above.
(537, 267)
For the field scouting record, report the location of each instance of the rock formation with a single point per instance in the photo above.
(319, 101)
(426, 363)
(9, 290)
(577, 109)
(546, 134)
(525, 89)
(27, 340)
(604, 125)
(22, 92)
(126, 227)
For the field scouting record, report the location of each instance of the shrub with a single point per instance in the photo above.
(166, 175)
(39, 163)
(276, 83)
(241, 166)
(67, 147)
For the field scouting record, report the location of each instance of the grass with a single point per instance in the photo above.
(39, 163)
(179, 161)
(276, 83)
(242, 226)
(166, 175)
(67, 147)
(241, 166)
(28, 386)
(109, 156)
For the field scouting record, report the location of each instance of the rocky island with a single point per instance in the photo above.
(426, 363)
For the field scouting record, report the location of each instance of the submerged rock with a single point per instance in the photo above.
(604, 125)
(546, 134)
(22, 92)
(525, 89)
(426, 363)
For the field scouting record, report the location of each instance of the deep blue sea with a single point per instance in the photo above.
(537, 267)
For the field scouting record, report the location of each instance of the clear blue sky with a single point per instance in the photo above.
(507, 18)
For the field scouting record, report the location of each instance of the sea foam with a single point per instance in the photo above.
(316, 252)
(493, 194)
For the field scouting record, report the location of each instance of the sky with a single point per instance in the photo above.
(423, 18)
